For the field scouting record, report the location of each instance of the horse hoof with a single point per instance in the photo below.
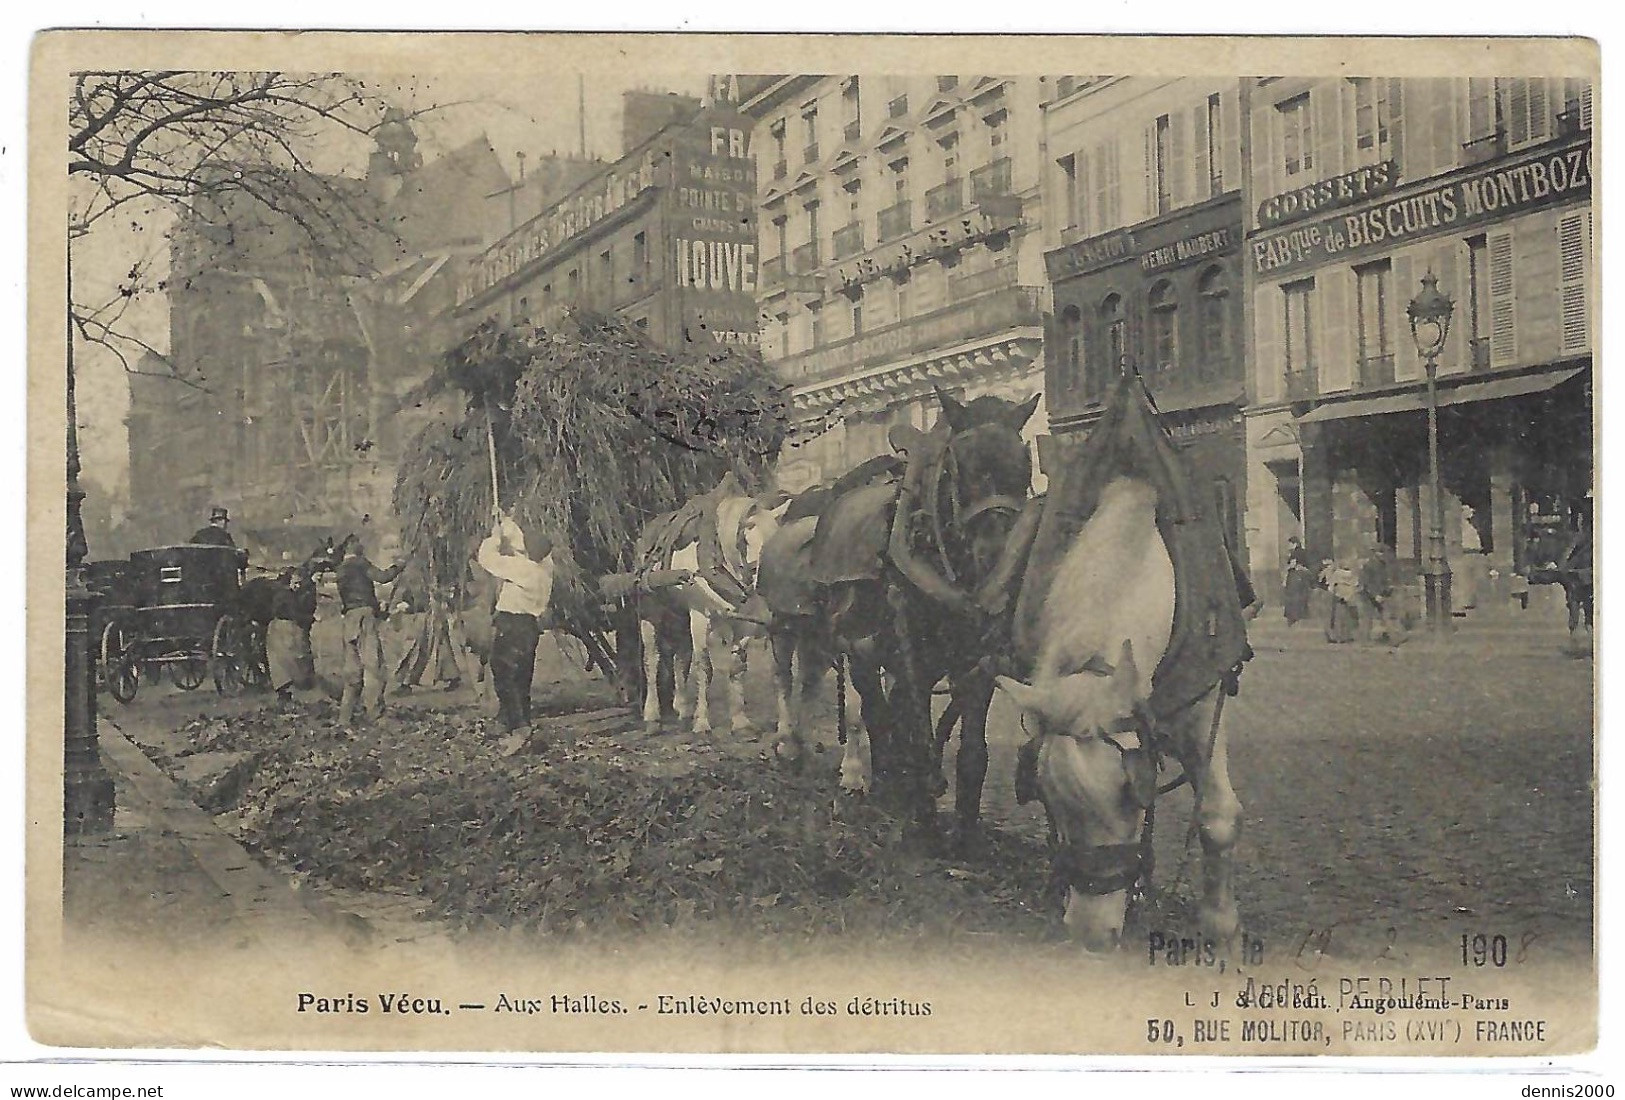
(651, 728)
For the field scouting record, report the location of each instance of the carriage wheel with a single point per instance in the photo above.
(256, 663)
(226, 657)
(190, 673)
(124, 675)
(112, 652)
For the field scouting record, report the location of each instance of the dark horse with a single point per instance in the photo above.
(889, 577)
(256, 598)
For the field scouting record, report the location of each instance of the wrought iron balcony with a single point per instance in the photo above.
(1478, 348)
(896, 220)
(990, 181)
(1487, 147)
(848, 240)
(1376, 370)
(944, 200)
(1301, 385)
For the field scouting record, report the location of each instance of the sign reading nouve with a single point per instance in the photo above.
(1538, 180)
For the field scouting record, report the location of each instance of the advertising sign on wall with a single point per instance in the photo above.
(711, 214)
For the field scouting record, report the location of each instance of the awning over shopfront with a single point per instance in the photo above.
(1488, 389)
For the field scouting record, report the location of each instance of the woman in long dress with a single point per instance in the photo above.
(1300, 579)
(287, 638)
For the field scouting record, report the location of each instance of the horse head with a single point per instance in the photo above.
(1108, 618)
(984, 479)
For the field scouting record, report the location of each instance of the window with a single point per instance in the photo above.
(857, 317)
(572, 285)
(606, 274)
(1574, 262)
(809, 127)
(1373, 291)
(1212, 300)
(1372, 120)
(1164, 327)
(1072, 364)
(1483, 109)
(1069, 190)
(849, 109)
(783, 320)
(1106, 194)
(1526, 106)
(1162, 169)
(777, 130)
(812, 230)
(815, 324)
(905, 295)
(1113, 328)
(996, 136)
(1214, 141)
(781, 231)
(1298, 299)
(1503, 300)
(1478, 302)
(640, 256)
(1297, 137)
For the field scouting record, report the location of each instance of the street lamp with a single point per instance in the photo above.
(1429, 313)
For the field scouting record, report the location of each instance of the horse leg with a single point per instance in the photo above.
(787, 661)
(1202, 747)
(699, 663)
(973, 692)
(739, 718)
(650, 644)
(868, 745)
(857, 763)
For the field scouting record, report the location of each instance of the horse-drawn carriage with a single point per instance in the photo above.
(185, 618)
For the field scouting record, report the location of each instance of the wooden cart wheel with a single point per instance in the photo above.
(226, 657)
(124, 676)
(189, 674)
(112, 651)
(256, 662)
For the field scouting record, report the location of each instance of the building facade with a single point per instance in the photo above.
(1362, 187)
(1144, 231)
(898, 225)
(664, 237)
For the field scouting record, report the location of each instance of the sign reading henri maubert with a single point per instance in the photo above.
(1540, 178)
(1189, 249)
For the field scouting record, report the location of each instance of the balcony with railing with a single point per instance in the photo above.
(1487, 147)
(990, 181)
(1302, 384)
(1478, 353)
(1376, 370)
(944, 200)
(804, 260)
(848, 241)
(896, 220)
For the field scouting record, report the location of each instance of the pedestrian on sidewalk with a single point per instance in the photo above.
(364, 673)
(1298, 582)
(1376, 594)
(1340, 580)
(525, 568)
(287, 638)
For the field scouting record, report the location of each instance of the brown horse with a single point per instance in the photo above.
(889, 580)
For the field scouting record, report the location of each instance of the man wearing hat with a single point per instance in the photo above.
(216, 533)
(525, 568)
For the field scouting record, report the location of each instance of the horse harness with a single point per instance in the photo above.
(942, 474)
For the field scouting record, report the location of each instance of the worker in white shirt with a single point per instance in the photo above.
(527, 586)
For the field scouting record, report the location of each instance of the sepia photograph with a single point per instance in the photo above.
(797, 545)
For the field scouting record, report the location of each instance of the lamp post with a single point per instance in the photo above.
(1429, 314)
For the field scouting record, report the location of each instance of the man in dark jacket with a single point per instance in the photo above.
(1376, 595)
(364, 677)
(217, 533)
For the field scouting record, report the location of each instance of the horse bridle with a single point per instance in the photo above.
(962, 517)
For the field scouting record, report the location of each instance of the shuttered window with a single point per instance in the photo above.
(1574, 262)
(1482, 117)
(1528, 110)
(1105, 180)
(1503, 335)
(1297, 138)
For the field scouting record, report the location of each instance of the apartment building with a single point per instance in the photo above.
(901, 252)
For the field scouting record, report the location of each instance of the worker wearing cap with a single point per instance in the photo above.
(526, 574)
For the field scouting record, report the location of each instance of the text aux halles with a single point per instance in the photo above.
(585, 1004)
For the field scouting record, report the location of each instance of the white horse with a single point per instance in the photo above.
(709, 598)
(1107, 621)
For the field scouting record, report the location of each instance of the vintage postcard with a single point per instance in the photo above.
(823, 545)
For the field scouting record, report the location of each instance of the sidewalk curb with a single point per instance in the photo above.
(263, 901)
